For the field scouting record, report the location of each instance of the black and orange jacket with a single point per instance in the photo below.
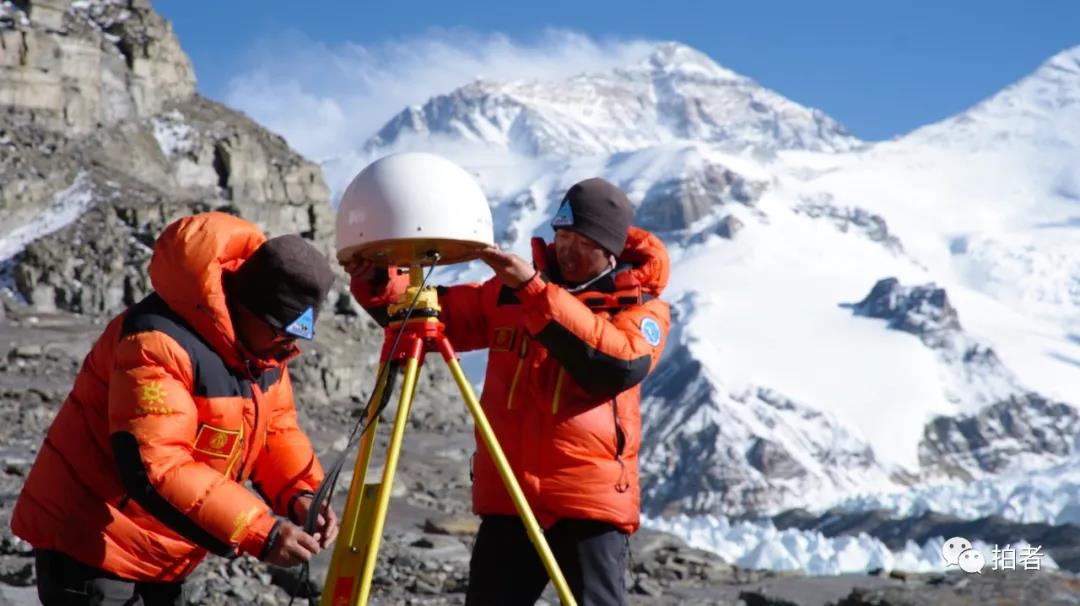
(563, 379)
(141, 472)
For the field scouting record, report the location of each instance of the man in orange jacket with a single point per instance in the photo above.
(183, 398)
(570, 338)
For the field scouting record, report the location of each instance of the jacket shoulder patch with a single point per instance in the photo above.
(152, 400)
(151, 394)
(650, 330)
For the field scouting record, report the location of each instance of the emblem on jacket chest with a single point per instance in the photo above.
(216, 442)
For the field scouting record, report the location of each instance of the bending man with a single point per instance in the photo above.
(183, 398)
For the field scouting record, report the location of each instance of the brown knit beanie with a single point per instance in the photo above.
(284, 281)
(599, 210)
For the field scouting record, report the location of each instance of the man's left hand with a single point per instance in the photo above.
(326, 526)
(508, 267)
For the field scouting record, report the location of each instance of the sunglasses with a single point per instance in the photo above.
(303, 327)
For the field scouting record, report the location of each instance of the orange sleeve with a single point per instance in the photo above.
(287, 467)
(465, 313)
(604, 356)
(376, 294)
(152, 422)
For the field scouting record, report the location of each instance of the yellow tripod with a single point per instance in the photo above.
(348, 580)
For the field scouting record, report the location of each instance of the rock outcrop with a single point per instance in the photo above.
(676, 204)
(77, 66)
(973, 374)
(850, 220)
(104, 141)
(1002, 436)
(1000, 424)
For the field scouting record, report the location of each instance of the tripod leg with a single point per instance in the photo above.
(381, 502)
(354, 537)
(531, 525)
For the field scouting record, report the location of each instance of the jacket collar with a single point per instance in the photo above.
(644, 265)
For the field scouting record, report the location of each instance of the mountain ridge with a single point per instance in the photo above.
(675, 93)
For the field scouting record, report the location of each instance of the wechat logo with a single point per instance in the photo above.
(958, 551)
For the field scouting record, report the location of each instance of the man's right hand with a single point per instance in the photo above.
(358, 267)
(362, 269)
(292, 546)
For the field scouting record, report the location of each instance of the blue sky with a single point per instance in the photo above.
(881, 68)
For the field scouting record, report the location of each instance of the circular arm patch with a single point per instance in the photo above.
(651, 331)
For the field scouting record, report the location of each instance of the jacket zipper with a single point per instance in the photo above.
(623, 483)
(620, 435)
(558, 391)
(522, 350)
(255, 423)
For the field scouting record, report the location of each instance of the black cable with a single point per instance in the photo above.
(365, 420)
(325, 491)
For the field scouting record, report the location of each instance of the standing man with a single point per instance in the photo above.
(570, 338)
(184, 397)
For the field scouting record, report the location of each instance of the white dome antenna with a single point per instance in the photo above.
(402, 208)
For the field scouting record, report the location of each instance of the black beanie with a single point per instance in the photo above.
(599, 210)
(284, 281)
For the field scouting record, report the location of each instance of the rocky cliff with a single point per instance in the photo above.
(103, 142)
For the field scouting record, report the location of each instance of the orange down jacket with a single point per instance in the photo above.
(563, 379)
(141, 472)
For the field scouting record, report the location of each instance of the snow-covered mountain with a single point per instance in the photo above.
(858, 324)
(1000, 182)
(675, 94)
(1034, 113)
(714, 449)
(853, 318)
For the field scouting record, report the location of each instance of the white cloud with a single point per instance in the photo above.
(326, 100)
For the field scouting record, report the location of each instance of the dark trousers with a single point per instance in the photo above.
(505, 569)
(65, 581)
